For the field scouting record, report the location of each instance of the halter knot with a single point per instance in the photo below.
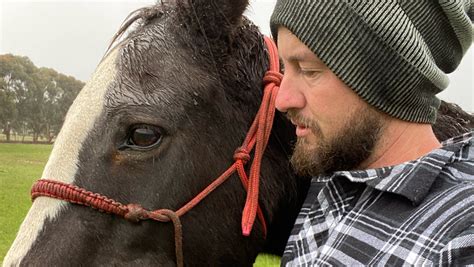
(160, 215)
(274, 77)
(241, 154)
(136, 213)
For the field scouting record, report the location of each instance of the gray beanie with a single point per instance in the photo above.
(395, 54)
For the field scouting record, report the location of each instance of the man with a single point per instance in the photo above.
(359, 85)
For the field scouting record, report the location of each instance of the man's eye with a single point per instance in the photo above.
(310, 73)
(143, 137)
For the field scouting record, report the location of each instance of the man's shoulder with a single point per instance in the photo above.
(454, 185)
(460, 167)
(465, 138)
(461, 172)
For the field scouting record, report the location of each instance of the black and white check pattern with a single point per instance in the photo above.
(416, 213)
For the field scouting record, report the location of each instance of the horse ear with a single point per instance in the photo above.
(214, 16)
(231, 10)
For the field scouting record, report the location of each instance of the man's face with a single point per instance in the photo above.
(336, 129)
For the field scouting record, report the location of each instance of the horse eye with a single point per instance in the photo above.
(143, 137)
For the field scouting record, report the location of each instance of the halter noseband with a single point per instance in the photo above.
(257, 137)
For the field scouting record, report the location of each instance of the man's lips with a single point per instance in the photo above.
(301, 130)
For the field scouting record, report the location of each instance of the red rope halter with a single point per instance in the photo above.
(257, 138)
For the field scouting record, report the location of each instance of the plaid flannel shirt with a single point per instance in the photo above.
(417, 213)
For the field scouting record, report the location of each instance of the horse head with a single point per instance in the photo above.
(160, 119)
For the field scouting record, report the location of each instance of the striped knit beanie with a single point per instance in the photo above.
(395, 54)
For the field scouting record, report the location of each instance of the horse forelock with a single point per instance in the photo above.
(137, 19)
(63, 162)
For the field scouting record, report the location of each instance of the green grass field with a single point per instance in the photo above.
(20, 166)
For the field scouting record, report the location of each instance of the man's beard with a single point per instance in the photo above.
(343, 151)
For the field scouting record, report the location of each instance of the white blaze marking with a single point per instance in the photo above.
(64, 159)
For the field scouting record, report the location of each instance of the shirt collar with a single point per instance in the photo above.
(414, 179)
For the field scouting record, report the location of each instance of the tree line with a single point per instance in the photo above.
(33, 100)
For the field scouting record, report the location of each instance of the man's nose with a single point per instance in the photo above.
(289, 96)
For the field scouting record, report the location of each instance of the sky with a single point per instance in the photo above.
(71, 36)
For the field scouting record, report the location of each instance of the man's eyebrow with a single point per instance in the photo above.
(302, 56)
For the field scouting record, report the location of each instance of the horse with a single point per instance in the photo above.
(160, 118)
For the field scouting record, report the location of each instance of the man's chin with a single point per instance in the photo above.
(305, 158)
(315, 155)
(309, 139)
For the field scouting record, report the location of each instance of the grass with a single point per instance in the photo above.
(264, 260)
(20, 166)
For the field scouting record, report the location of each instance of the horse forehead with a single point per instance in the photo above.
(156, 71)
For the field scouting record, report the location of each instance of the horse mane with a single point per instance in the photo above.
(452, 121)
(138, 18)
